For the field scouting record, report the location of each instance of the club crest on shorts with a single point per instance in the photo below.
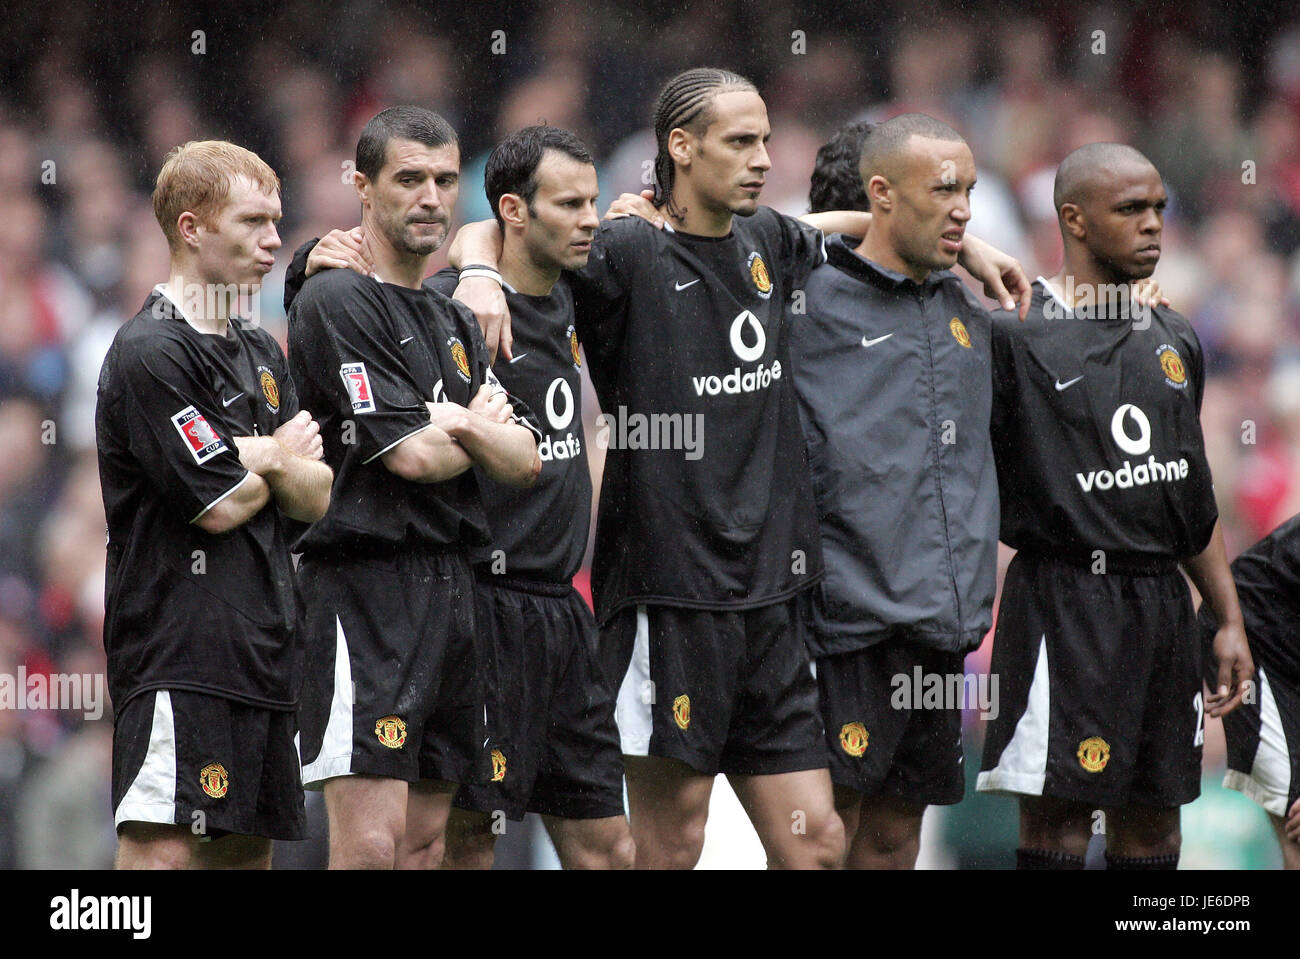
(682, 711)
(215, 780)
(853, 738)
(270, 389)
(959, 332)
(357, 382)
(498, 765)
(391, 731)
(758, 273)
(1094, 753)
(202, 439)
(460, 357)
(1172, 366)
(573, 348)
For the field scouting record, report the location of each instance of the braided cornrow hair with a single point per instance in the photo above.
(684, 102)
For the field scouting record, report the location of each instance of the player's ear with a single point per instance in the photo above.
(513, 209)
(187, 228)
(680, 146)
(1072, 220)
(363, 186)
(878, 193)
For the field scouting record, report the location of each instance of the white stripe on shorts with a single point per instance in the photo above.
(636, 694)
(1022, 767)
(152, 796)
(335, 756)
(1269, 781)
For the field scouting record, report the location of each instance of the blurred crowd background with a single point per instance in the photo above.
(92, 98)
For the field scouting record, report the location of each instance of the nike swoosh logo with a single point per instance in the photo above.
(1062, 386)
(681, 286)
(405, 341)
(227, 402)
(867, 342)
(516, 359)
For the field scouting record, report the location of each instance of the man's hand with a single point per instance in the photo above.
(495, 406)
(340, 250)
(301, 437)
(260, 454)
(1147, 292)
(636, 204)
(1232, 653)
(1293, 822)
(1002, 275)
(487, 300)
(448, 417)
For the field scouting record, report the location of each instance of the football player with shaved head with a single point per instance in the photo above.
(1105, 493)
(892, 369)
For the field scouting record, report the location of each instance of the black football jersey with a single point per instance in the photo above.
(706, 499)
(186, 609)
(367, 356)
(1097, 436)
(541, 532)
(1268, 586)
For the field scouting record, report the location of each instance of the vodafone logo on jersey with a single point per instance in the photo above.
(560, 409)
(1131, 430)
(749, 343)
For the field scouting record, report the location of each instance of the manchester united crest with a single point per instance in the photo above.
(270, 389)
(459, 355)
(682, 711)
(959, 332)
(853, 738)
(758, 273)
(573, 348)
(391, 731)
(215, 780)
(1171, 364)
(1094, 753)
(498, 765)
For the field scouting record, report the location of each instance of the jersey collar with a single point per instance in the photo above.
(841, 253)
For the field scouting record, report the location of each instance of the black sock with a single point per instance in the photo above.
(1142, 862)
(1046, 859)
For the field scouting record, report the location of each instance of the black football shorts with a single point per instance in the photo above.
(1099, 679)
(724, 691)
(1263, 733)
(212, 764)
(555, 748)
(886, 734)
(393, 683)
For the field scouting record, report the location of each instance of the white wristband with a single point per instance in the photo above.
(481, 271)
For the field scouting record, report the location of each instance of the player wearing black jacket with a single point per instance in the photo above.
(198, 427)
(1105, 490)
(892, 368)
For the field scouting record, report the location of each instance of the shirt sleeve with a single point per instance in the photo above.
(803, 249)
(176, 429)
(344, 327)
(444, 281)
(296, 275)
(600, 289)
